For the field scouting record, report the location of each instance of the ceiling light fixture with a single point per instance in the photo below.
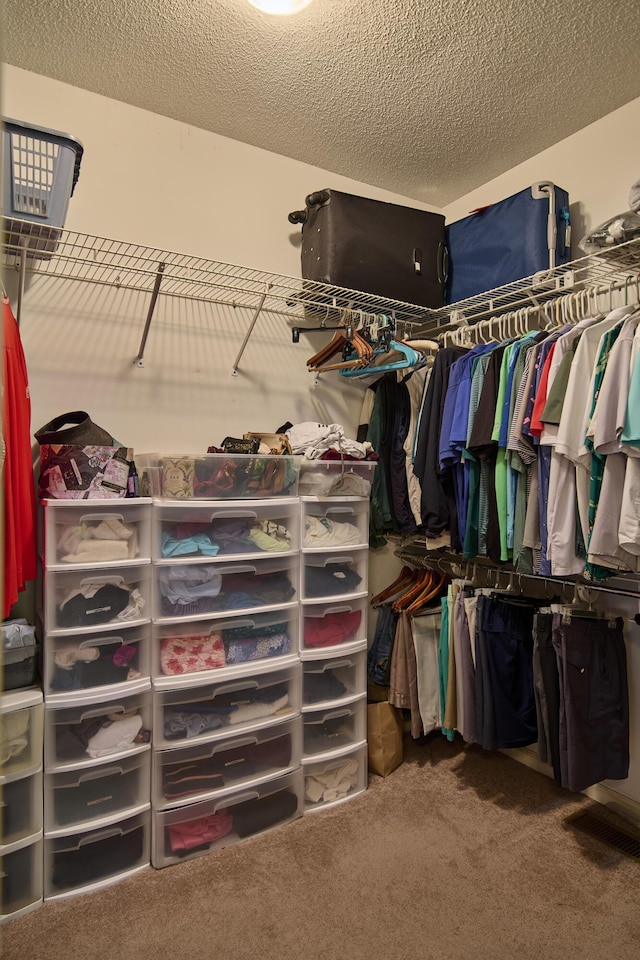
(280, 6)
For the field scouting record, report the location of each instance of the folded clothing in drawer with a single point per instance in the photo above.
(189, 590)
(229, 709)
(92, 604)
(244, 819)
(332, 629)
(103, 541)
(331, 782)
(224, 535)
(204, 774)
(94, 859)
(77, 666)
(100, 736)
(324, 532)
(330, 580)
(322, 686)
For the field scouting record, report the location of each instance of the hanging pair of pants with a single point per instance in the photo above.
(547, 693)
(594, 700)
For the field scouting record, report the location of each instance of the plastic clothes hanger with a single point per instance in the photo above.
(409, 358)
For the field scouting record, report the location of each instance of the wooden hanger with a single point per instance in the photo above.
(406, 576)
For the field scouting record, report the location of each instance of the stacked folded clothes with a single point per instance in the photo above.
(92, 604)
(102, 542)
(242, 706)
(77, 666)
(332, 629)
(189, 590)
(332, 784)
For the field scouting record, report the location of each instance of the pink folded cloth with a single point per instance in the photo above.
(180, 655)
(195, 833)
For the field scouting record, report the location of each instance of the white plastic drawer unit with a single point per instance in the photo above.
(335, 729)
(107, 792)
(191, 653)
(330, 576)
(218, 476)
(332, 781)
(205, 770)
(210, 825)
(20, 879)
(334, 525)
(87, 860)
(114, 660)
(329, 629)
(97, 730)
(210, 589)
(328, 682)
(20, 809)
(96, 533)
(80, 601)
(21, 732)
(220, 710)
(190, 532)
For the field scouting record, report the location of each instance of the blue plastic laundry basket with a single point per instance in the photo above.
(40, 171)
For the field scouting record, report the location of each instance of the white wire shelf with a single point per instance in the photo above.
(43, 250)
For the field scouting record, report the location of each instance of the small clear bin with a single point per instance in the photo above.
(329, 682)
(218, 476)
(87, 860)
(111, 791)
(332, 781)
(96, 533)
(20, 809)
(211, 825)
(183, 775)
(334, 525)
(336, 478)
(330, 576)
(190, 532)
(80, 601)
(329, 626)
(21, 732)
(334, 730)
(115, 660)
(20, 879)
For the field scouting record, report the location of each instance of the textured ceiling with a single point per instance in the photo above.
(426, 98)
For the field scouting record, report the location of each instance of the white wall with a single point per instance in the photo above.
(596, 166)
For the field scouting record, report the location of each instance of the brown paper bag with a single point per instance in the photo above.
(384, 737)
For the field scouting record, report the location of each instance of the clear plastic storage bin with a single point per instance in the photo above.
(191, 532)
(112, 790)
(334, 730)
(218, 476)
(337, 525)
(21, 733)
(209, 769)
(188, 654)
(332, 781)
(21, 881)
(20, 809)
(210, 589)
(329, 682)
(78, 601)
(96, 731)
(211, 825)
(87, 860)
(220, 710)
(329, 629)
(331, 576)
(96, 533)
(115, 660)
(336, 478)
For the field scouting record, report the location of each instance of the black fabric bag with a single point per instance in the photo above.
(77, 429)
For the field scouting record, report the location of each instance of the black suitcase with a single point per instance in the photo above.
(378, 248)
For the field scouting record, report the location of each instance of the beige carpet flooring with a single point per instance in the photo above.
(457, 854)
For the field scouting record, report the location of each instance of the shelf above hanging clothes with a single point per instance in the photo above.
(123, 265)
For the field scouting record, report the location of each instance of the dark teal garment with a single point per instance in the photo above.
(443, 664)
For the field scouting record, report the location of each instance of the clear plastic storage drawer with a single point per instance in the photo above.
(218, 476)
(188, 653)
(210, 825)
(330, 576)
(75, 664)
(78, 601)
(212, 589)
(336, 478)
(20, 809)
(334, 525)
(335, 729)
(100, 729)
(21, 733)
(94, 858)
(328, 682)
(96, 533)
(192, 531)
(191, 773)
(20, 879)
(110, 790)
(329, 626)
(223, 709)
(336, 779)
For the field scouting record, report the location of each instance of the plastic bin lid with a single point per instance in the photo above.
(73, 142)
(20, 699)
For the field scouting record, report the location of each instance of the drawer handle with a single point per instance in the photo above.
(102, 711)
(345, 609)
(221, 514)
(340, 510)
(240, 798)
(111, 579)
(335, 714)
(104, 641)
(98, 774)
(336, 664)
(243, 568)
(101, 516)
(231, 744)
(101, 835)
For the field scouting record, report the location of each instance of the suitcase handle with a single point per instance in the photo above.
(297, 216)
(443, 263)
(318, 198)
